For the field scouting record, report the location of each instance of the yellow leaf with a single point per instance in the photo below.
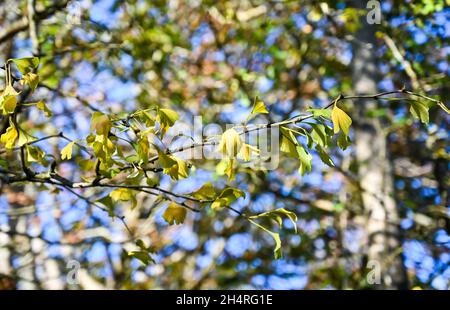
(246, 151)
(229, 170)
(143, 149)
(9, 100)
(24, 138)
(166, 119)
(124, 194)
(43, 107)
(288, 142)
(9, 104)
(9, 137)
(34, 154)
(230, 143)
(31, 79)
(178, 169)
(226, 197)
(101, 123)
(259, 107)
(66, 152)
(174, 214)
(341, 121)
(206, 192)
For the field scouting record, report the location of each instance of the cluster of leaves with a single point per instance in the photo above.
(142, 159)
(9, 105)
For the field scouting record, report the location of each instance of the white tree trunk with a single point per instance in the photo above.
(374, 167)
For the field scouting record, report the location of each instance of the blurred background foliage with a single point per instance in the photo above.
(210, 58)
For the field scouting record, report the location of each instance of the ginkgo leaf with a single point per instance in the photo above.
(9, 137)
(147, 118)
(420, 111)
(24, 138)
(326, 159)
(320, 112)
(43, 107)
(165, 160)
(227, 197)
(8, 100)
(246, 151)
(230, 143)
(109, 204)
(319, 134)
(9, 104)
(206, 192)
(277, 216)
(278, 254)
(101, 123)
(31, 79)
(174, 214)
(166, 119)
(341, 121)
(143, 149)
(143, 256)
(229, 169)
(305, 160)
(34, 154)
(259, 107)
(66, 152)
(443, 107)
(9, 91)
(288, 142)
(178, 170)
(343, 141)
(124, 194)
(26, 64)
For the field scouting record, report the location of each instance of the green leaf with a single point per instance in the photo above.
(227, 197)
(66, 152)
(109, 204)
(443, 107)
(319, 135)
(165, 160)
(278, 254)
(343, 141)
(288, 142)
(305, 160)
(420, 111)
(320, 112)
(206, 192)
(26, 64)
(143, 256)
(277, 214)
(174, 214)
(326, 159)
(341, 121)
